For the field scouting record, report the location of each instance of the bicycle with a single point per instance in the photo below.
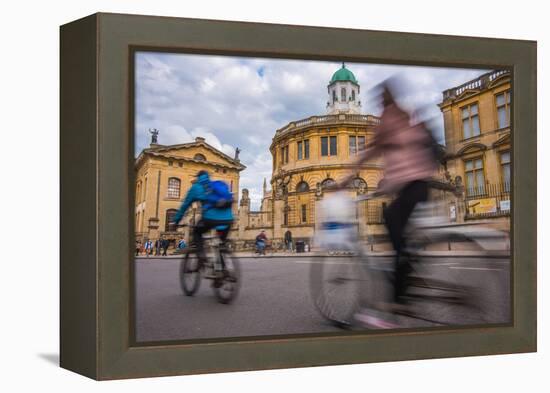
(220, 266)
(341, 289)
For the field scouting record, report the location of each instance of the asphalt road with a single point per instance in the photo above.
(274, 299)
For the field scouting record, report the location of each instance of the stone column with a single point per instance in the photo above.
(244, 212)
(278, 212)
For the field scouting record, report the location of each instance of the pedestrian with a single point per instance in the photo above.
(138, 247)
(182, 244)
(288, 240)
(157, 247)
(164, 244)
(148, 247)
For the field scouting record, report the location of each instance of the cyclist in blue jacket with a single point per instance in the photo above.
(213, 216)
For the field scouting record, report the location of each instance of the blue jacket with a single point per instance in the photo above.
(197, 193)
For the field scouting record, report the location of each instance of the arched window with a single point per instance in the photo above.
(168, 226)
(343, 94)
(199, 157)
(302, 187)
(328, 182)
(173, 187)
(359, 183)
(334, 98)
(353, 95)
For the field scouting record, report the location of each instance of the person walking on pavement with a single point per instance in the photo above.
(148, 247)
(164, 243)
(288, 240)
(157, 247)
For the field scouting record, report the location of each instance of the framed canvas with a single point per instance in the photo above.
(149, 104)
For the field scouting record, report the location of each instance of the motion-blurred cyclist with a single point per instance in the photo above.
(216, 200)
(409, 162)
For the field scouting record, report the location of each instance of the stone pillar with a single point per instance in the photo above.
(244, 212)
(278, 212)
(154, 231)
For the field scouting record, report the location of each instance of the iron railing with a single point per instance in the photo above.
(489, 200)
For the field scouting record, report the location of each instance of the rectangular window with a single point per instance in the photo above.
(333, 146)
(505, 168)
(304, 213)
(352, 145)
(284, 154)
(361, 143)
(503, 109)
(324, 146)
(173, 188)
(475, 179)
(306, 149)
(470, 121)
(300, 151)
(145, 190)
(356, 144)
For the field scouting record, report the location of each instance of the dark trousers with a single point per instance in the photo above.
(164, 249)
(396, 216)
(204, 226)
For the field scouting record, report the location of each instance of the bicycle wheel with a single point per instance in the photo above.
(335, 287)
(462, 290)
(190, 275)
(227, 287)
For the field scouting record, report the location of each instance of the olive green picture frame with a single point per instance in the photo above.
(97, 155)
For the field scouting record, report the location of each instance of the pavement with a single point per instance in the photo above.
(274, 298)
(434, 254)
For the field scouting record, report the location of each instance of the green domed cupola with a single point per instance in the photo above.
(343, 75)
(343, 93)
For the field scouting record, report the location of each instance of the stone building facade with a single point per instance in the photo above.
(310, 154)
(164, 174)
(477, 125)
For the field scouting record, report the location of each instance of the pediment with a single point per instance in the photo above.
(498, 80)
(472, 148)
(467, 93)
(505, 140)
(195, 151)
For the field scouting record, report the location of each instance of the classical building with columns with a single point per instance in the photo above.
(164, 174)
(310, 154)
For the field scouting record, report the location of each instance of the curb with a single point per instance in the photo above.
(432, 254)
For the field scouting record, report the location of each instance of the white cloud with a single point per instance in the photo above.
(241, 102)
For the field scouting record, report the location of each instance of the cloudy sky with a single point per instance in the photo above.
(241, 102)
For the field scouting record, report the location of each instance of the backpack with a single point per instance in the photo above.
(218, 195)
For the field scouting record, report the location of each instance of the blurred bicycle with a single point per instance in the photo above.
(220, 266)
(357, 290)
